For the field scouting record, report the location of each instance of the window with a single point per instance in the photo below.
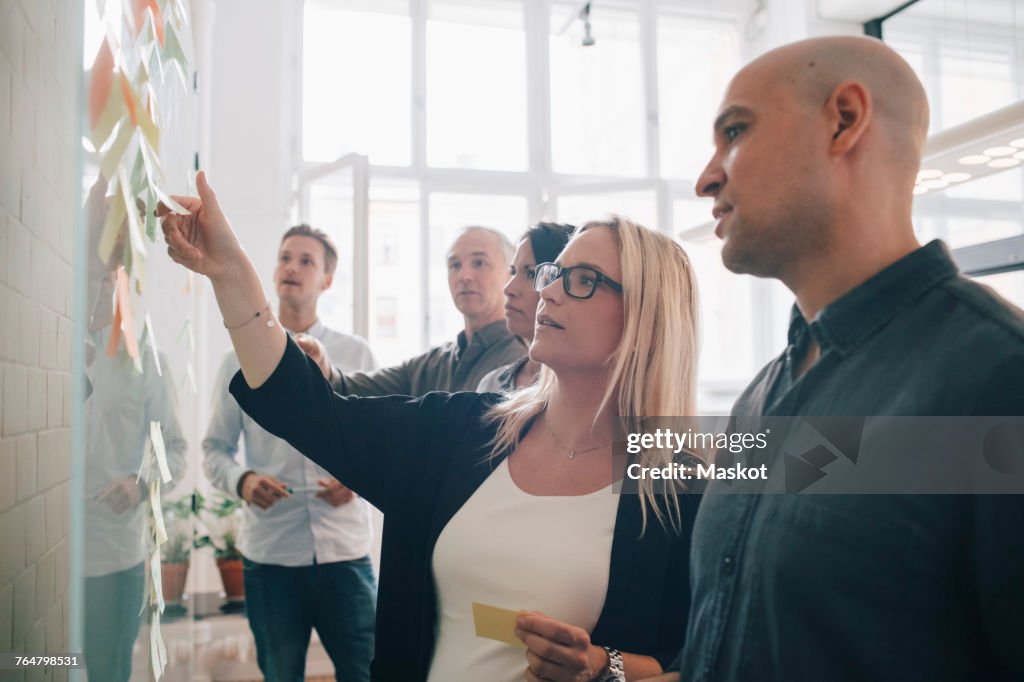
(493, 112)
(696, 59)
(597, 94)
(346, 106)
(640, 207)
(967, 55)
(396, 311)
(476, 85)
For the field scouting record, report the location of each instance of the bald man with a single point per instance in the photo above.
(817, 147)
(477, 264)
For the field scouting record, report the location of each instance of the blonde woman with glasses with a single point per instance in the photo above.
(504, 503)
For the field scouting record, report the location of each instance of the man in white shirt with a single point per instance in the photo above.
(306, 538)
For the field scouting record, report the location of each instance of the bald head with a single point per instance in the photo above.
(813, 70)
(817, 145)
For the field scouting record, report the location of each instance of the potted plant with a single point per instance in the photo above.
(175, 553)
(221, 517)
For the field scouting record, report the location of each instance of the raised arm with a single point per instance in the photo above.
(204, 242)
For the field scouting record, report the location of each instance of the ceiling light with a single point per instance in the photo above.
(934, 184)
(1000, 151)
(984, 145)
(929, 174)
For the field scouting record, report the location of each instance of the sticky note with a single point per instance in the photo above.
(159, 529)
(156, 581)
(156, 436)
(496, 623)
(151, 338)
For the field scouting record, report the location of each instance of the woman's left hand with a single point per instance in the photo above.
(558, 651)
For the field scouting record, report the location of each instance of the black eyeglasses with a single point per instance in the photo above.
(579, 281)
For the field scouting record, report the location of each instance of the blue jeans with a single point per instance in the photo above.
(284, 604)
(112, 604)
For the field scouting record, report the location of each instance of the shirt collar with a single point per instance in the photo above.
(316, 330)
(858, 314)
(486, 336)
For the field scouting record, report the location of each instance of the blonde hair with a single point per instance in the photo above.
(654, 367)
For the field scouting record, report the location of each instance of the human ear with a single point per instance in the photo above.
(849, 109)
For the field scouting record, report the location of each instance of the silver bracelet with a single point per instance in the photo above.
(259, 313)
(616, 670)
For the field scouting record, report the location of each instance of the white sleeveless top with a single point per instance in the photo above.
(518, 551)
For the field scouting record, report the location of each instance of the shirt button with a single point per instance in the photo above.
(728, 565)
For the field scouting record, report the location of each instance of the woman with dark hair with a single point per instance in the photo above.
(540, 244)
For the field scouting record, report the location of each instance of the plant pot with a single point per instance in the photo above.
(173, 576)
(233, 578)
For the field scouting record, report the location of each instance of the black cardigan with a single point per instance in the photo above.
(418, 461)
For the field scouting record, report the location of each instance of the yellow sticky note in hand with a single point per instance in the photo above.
(497, 623)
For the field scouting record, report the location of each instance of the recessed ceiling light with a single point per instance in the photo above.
(974, 159)
(1019, 142)
(1000, 151)
(957, 177)
(920, 189)
(928, 174)
(1003, 163)
(1019, 155)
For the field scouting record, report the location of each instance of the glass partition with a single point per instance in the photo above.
(136, 429)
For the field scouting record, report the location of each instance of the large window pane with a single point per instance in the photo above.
(396, 314)
(597, 93)
(694, 56)
(964, 51)
(449, 213)
(476, 85)
(331, 205)
(356, 80)
(639, 207)
(1009, 285)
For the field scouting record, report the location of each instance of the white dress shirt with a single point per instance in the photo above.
(117, 413)
(301, 527)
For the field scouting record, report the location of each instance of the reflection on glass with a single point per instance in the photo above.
(449, 213)
(125, 396)
(597, 94)
(476, 85)
(357, 69)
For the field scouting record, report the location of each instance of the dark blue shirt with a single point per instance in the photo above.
(872, 587)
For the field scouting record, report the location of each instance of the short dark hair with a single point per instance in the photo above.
(330, 251)
(547, 240)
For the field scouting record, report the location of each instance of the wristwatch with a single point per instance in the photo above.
(616, 672)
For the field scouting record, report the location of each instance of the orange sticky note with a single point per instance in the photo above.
(494, 622)
(124, 315)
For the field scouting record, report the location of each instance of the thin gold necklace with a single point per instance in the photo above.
(572, 451)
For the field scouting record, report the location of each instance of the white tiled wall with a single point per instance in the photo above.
(39, 71)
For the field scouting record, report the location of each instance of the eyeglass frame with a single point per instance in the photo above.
(599, 277)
